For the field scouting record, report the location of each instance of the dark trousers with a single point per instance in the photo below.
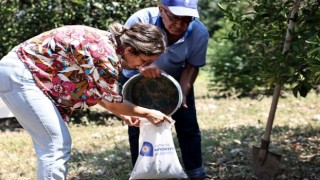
(188, 134)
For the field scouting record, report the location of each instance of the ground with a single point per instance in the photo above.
(230, 127)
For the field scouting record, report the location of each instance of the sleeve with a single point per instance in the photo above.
(147, 15)
(198, 53)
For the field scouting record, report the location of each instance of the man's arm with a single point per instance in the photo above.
(187, 79)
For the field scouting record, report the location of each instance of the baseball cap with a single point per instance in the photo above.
(182, 7)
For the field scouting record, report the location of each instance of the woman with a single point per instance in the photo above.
(44, 79)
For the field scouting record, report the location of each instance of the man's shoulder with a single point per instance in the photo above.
(199, 28)
(146, 15)
(199, 25)
(150, 11)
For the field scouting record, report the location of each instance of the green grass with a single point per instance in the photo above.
(229, 127)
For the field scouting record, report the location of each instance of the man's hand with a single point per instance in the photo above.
(150, 71)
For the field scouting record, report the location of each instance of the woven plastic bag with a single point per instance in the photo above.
(157, 157)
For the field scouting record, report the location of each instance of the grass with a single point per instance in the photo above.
(229, 127)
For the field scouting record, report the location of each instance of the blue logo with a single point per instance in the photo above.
(146, 149)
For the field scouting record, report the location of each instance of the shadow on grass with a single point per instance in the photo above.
(111, 164)
(227, 152)
(81, 118)
(9, 124)
(226, 155)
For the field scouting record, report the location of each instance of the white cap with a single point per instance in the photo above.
(182, 7)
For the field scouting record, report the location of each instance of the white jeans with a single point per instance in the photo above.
(38, 116)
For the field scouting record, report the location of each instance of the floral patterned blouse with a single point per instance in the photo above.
(75, 66)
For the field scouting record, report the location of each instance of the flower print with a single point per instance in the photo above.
(89, 35)
(95, 50)
(72, 58)
(63, 58)
(90, 83)
(77, 104)
(68, 87)
(66, 97)
(99, 49)
(90, 100)
(109, 48)
(41, 74)
(75, 44)
(93, 46)
(102, 49)
(57, 65)
(42, 66)
(63, 89)
(111, 81)
(75, 33)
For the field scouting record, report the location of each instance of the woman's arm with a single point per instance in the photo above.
(128, 109)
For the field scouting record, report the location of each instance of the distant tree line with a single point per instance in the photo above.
(23, 19)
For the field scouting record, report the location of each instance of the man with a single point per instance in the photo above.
(187, 40)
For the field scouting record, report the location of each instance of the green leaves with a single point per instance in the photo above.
(25, 19)
(258, 36)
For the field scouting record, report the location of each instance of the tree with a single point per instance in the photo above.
(27, 18)
(252, 42)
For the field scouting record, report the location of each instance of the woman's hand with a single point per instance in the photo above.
(130, 113)
(157, 117)
(130, 120)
